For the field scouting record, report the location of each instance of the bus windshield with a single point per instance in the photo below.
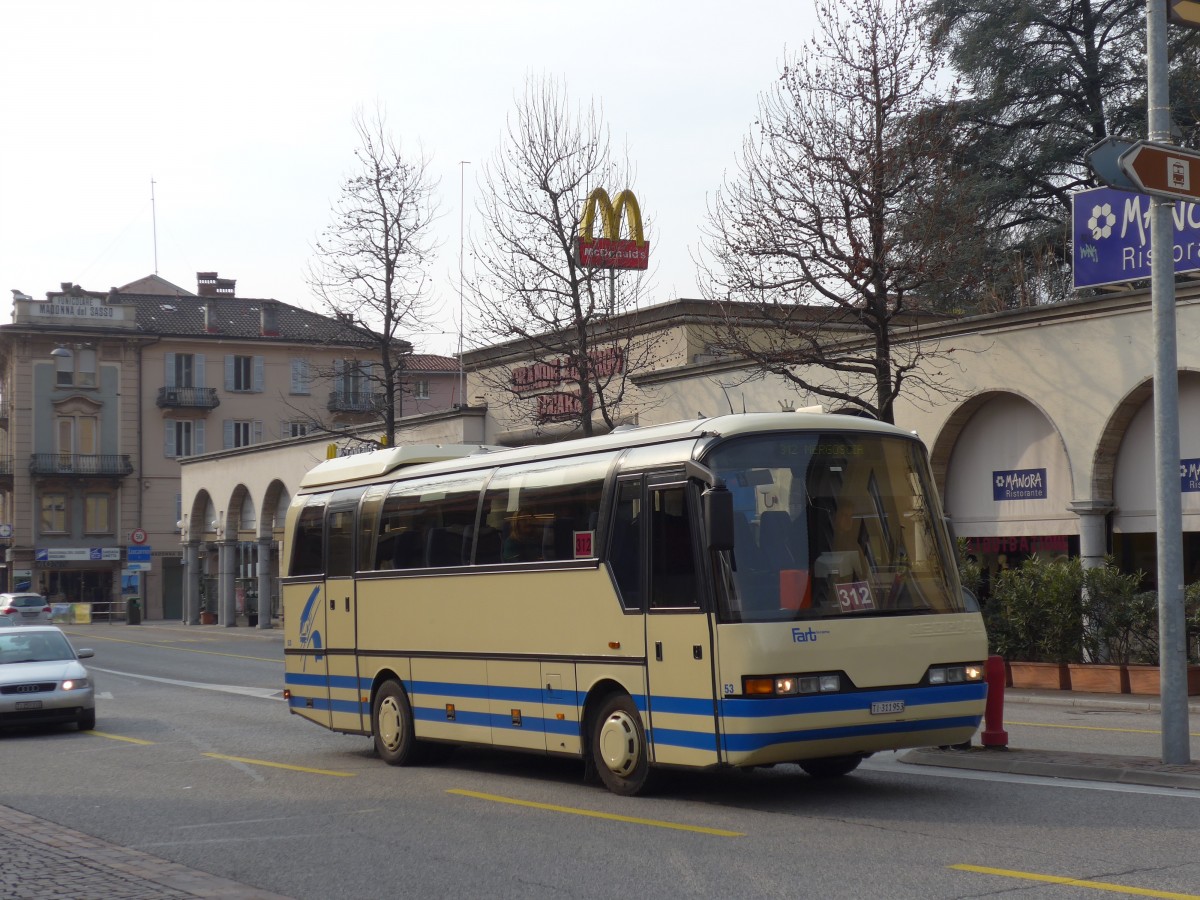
(830, 525)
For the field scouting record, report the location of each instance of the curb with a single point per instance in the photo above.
(1046, 764)
(1135, 702)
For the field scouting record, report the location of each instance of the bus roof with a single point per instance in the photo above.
(365, 466)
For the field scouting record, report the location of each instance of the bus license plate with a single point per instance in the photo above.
(29, 704)
(883, 707)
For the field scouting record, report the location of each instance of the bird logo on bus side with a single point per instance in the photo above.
(308, 633)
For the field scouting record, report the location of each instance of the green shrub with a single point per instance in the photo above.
(1036, 611)
(1120, 622)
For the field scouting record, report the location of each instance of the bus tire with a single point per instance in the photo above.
(619, 750)
(392, 725)
(831, 766)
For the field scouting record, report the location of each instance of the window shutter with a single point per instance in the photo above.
(258, 373)
(258, 432)
(228, 434)
(299, 376)
(228, 373)
(198, 362)
(169, 440)
(169, 370)
(198, 436)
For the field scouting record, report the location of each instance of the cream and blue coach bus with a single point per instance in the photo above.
(737, 591)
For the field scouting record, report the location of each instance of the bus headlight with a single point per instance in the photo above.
(956, 674)
(789, 685)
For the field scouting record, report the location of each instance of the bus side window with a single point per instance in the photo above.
(308, 552)
(625, 547)
(672, 568)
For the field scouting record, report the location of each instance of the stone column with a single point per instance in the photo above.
(225, 585)
(191, 583)
(265, 582)
(1093, 536)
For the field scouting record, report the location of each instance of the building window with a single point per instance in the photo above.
(77, 434)
(421, 389)
(294, 429)
(242, 433)
(242, 368)
(184, 437)
(96, 518)
(75, 368)
(243, 373)
(300, 377)
(185, 370)
(54, 514)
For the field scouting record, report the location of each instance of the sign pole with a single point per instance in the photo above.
(1172, 643)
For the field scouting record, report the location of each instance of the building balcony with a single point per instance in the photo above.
(355, 401)
(87, 465)
(6, 466)
(187, 398)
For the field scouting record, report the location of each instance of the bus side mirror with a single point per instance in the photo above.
(718, 517)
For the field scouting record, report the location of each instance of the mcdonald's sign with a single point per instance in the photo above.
(611, 251)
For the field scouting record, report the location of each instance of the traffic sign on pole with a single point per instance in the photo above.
(1184, 12)
(1103, 157)
(1163, 170)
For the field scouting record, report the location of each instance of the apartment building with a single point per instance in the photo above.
(103, 393)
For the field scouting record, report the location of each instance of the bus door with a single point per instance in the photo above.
(679, 647)
(345, 711)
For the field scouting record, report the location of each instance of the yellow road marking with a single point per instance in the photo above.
(117, 737)
(275, 765)
(1075, 882)
(1093, 728)
(596, 815)
(169, 647)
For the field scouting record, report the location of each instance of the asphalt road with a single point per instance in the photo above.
(195, 759)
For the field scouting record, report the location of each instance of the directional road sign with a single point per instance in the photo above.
(1184, 12)
(1163, 170)
(1102, 159)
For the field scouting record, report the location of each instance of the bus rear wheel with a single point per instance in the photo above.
(392, 725)
(831, 766)
(620, 753)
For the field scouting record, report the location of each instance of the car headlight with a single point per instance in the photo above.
(75, 684)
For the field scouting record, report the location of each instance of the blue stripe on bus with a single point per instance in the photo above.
(746, 742)
(862, 700)
(684, 706)
(676, 737)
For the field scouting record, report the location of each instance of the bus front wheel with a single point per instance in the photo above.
(392, 725)
(831, 766)
(619, 750)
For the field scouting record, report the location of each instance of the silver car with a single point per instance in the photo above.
(42, 680)
(25, 609)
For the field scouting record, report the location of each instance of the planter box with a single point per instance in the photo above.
(1039, 675)
(208, 618)
(1099, 678)
(1144, 680)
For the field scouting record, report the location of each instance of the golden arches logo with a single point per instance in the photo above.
(611, 251)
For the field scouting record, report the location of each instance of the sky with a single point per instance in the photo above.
(241, 113)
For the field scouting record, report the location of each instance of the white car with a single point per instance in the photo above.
(25, 608)
(42, 680)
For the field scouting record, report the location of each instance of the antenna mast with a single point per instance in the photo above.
(462, 380)
(154, 224)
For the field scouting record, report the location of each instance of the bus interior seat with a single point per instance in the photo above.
(487, 546)
(408, 550)
(444, 547)
(774, 539)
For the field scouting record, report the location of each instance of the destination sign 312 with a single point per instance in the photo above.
(1111, 232)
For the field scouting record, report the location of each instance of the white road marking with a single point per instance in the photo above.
(261, 693)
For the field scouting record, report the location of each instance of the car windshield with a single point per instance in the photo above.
(833, 525)
(37, 646)
(28, 601)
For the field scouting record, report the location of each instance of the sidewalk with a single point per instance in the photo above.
(1143, 770)
(44, 861)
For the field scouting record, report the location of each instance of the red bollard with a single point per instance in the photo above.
(994, 734)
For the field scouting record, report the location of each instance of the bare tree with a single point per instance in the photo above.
(840, 218)
(571, 330)
(370, 267)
